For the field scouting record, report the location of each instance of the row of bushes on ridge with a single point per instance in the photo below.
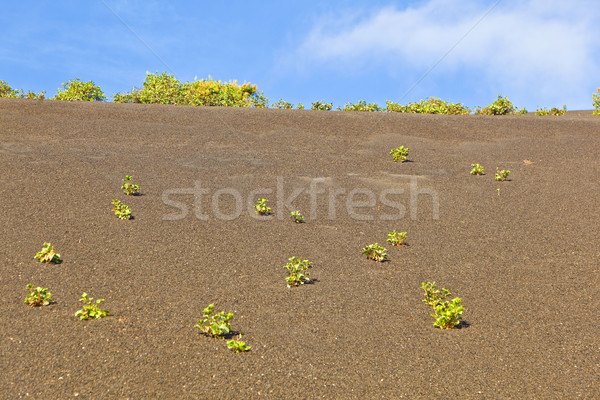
(166, 89)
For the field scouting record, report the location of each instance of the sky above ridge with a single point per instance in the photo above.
(538, 53)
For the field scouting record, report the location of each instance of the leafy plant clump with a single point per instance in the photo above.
(553, 111)
(502, 106)
(80, 91)
(397, 238)
(166, 89)
(128, 187)
(321, 105)
(215, 325)
(447, 314)
(121, 210)
(298, 272)
(48, 255)
(38, 296)
(501, 175)
(596, 103)
(430, 105)
(297, 217)
(375, 252)
(283, 105)
(362, 106)
(8, 92)
(477, 169)
(90, 309)
(237, 345)
(399, 154)
(261, 207)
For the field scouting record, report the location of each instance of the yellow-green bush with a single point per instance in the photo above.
(596, 98)
(77, 90)
(362, 106)
(431, 105)
(166, 89)
(9, 92)
(502, 106)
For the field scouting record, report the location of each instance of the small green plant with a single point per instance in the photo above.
(477, 169)
(237, 345)
(596, 103)
(128, 187)
(7, 91)
(283, 105)
(397, 238)
(300, 106)
(48, 255)
(501, 175)
(38, 296)
(297, 217)
(90, 309)
(298, 272)
(502, 106)
(79, 90)
(375, 252)
(399, 154)
(430, 105)
(362, 106)
(321, 105)
(121, 210)
(261, 207)
(215, 325)
(553, 111)
(447, 314)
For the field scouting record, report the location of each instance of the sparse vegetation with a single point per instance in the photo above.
(48, 255)
(77, 90)
(501, 175)
(261, 207)
(397, 238)
(430, 105)
(298, 271)
(553, 111)
(596, 102)
(320, 105)
(237, 345)
(215, 325)
(447, 314)
(90, 309)
(38, 296)
(399, 154)
(502, 106)
(121, 210)
(362, 106)
(297, 217)
(477, 169)
(375, 252)
(128, 187)
(8, 92)
(283, 105)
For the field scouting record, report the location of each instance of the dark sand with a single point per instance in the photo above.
(524, 261)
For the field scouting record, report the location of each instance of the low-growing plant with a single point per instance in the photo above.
(397, 238)
(477, 169)
(447, 314)
(237, 345)
(430, 105)
(321, 105)
(596, 103)
(90, 309)
(80, 91)
(283, 105)
(8, 92)
(128, 187)
(399, 154)
(261, 207)
(375, 252)
(300, 106)
(48, 255)
(38, 296)
(362, 106)
(501, 175)
(216, 325)
(502, 106)
(121, 210)
(298, 271)
(297, 217)
(553, 111)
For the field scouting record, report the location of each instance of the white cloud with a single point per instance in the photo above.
(538, 46)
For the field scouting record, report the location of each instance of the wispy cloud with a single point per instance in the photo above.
(537, 46)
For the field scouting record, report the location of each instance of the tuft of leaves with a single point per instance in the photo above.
(38, 296)
(283, 105)
(77, 90)
(128, 187)
(216, 325)
(362, 106)
(321, 105)
(447, 314)
(399, 154)
(297, 217)
(477, 169)
(397, 238)
(502, 106)
(237, 345)
(375, 252)
(431, 105)
(90, 309)
(261, 207)
(48, 255)
(298, 272)
(501, 175)
(596, 103)
(121, 210)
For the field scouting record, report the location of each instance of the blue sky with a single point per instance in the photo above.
(538, 53)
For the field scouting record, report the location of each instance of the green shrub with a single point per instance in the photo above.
(501, 175)
(502, 106)
(261, 207)
(400, 153)
(128, 187)
(215, 325)
(90, 309)
(431, 105)
(237, 345)
(166, 89)
(397, 238)
(447, 314)
(121, 210)
(297, 217)
(553, 111)
(38, 296)
(48, 255)
(362, 106)
(298, 271)
(477, 169)
(319, 105)
(80, 91)
(283, 105)
(299, 106)
(596, 102)
(8, 92)
(375, 252)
